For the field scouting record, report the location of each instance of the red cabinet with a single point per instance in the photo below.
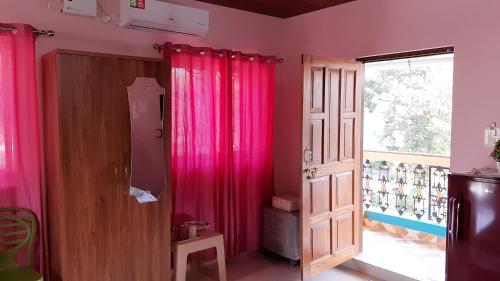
(473, 247)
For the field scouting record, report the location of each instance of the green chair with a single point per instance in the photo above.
(17, 231)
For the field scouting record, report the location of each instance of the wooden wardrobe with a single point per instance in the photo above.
(95, 231)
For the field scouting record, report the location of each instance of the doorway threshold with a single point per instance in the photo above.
(412, 254)
(375, 271)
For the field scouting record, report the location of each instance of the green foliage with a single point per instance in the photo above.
(495, 154)
(415, 104)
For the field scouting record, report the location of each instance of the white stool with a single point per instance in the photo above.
(207, 239)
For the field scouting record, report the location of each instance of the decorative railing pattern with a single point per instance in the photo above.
(414, 190)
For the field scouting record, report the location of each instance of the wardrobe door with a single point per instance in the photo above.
(144, 242)
(88, 165)
(96, 230)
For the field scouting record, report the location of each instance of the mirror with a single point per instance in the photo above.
(145, 98)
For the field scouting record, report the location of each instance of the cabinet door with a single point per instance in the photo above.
(472, 247)
(110, 236)
(87, 163)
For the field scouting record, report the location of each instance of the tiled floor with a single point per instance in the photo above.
(258, 267)
(414, 258)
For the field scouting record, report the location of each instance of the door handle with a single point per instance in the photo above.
(307, 171)
(311, 172)
(308, 155)
(314, 170)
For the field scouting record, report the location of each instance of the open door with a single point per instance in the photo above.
(331, 186)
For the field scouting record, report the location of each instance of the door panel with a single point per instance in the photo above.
(334, 110)
(320, 195)
(344, 189)
(321, 242)
(317, 141)
(345, 224)
(318, 93)
(347, 141)
(331, 191)
(349, 93)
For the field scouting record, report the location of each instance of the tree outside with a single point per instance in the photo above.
(408, 105)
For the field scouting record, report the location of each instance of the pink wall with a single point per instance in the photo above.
(229, 28)
(363, 27)
(368, 27)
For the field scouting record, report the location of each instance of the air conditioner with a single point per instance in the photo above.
(156, 15)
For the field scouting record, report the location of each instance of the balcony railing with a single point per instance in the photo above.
(406, 186)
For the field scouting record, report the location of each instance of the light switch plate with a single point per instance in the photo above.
(491, 136)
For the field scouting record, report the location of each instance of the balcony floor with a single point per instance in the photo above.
(406, 255)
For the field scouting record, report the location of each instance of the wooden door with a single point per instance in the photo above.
(95, 230)
(331, 187)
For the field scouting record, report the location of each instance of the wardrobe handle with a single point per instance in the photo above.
(451, 224)
(160, 135)
(116, 174)
(457, 222)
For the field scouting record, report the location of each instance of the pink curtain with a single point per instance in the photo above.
(222, 162)
(20, 183)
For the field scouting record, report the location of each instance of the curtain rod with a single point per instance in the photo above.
(48, 33)
(160, 49)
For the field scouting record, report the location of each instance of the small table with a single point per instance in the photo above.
(206, 240)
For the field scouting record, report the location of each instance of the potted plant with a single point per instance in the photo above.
(496, 154)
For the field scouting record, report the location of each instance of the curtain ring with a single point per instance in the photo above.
(202, 52)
